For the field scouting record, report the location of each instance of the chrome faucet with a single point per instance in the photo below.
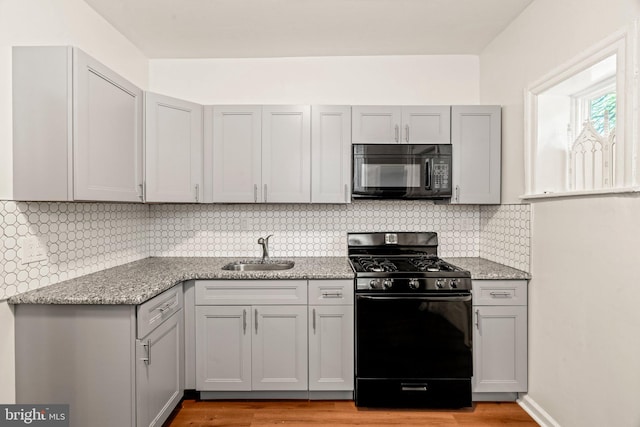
(264, 242)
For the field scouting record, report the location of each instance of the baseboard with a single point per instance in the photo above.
(536, 412)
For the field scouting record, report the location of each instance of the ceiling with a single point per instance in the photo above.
(286, 28)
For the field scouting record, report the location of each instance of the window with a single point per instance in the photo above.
(575, 123)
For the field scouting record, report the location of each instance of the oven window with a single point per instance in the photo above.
(390, 175)
(413, 338)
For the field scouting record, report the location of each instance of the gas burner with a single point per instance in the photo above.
(430, 264)
(377, 264)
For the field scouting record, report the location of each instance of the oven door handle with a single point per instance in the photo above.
(442, 299)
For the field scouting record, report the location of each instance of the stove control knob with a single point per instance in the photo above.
(414, 284)
(453, 284)
(387, 283)
(439, 284)
(373, 284)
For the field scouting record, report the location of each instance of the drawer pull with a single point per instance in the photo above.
(416, 387)
(332, 294)
(314, 321)
(165, 307)
(255, 313)
(244, 322)
(500, 294)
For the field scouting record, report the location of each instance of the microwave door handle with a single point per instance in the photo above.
(428, 174)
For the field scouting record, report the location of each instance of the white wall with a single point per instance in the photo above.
(59, 22)
(46, 22)
(583, 312)
(410, 80)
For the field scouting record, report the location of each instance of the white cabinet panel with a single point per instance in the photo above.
(286, 154)
(330, 154)
(500, 349)
(223, 348)
(331, 347)
(236, 153)
(476, 139)
(107, 133)
(159, 372)
(173, 150)
(376, 124)
(406, 124)
(426, 124)
(279, 348)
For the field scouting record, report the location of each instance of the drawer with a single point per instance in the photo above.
(499, 292)
(152, 313)
(331, 292)
(250, 292)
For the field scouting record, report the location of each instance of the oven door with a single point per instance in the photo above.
(413, 351)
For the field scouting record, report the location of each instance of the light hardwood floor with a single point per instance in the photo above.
(340, 413)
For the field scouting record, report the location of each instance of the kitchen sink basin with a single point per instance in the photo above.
(258, 265)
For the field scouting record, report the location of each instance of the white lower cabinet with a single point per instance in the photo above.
(159, 372)
(500, 336)
(262, 336)
(113, 364)
(251, 335)
(331, 347)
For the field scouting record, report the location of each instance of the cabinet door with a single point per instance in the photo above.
(426, 124)
(279, 347)
(331, 347)
(237, 154)
(159, 372)
(173, 150)
(286, 154)
(330, 154)
(476, 141)
(107, 134)
(223, 348)
(500, 349)
(376, 124)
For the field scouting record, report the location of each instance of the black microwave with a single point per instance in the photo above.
(401, 171)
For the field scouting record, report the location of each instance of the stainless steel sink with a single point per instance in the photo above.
(258, 265)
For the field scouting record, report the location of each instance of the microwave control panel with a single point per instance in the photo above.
(441, 176)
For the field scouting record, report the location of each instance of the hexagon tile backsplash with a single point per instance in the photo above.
(82, 238)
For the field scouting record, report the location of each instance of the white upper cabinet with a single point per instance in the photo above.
(77, 128)
(376, 124)
(173, 150)
(236, 154)
(426, 125)
(286, 154)
(258, 154)
(476, 144)
(394, 124)
(107, 148)
(330, 154)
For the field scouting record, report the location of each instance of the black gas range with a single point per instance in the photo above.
(413, 322)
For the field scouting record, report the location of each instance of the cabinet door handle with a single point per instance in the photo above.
(314, 321)
(337, 294)
(500, 294)
(141, 191)
(255, 193)
(197, 193)
(397, 128)
(256, 320)
(457, 193)
(265, 193)
(346, 193)
(244, 322)
(147, 347)
(406, 134)
(478, 319)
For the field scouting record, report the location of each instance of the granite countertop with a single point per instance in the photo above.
(138, 281)
(483, 269)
